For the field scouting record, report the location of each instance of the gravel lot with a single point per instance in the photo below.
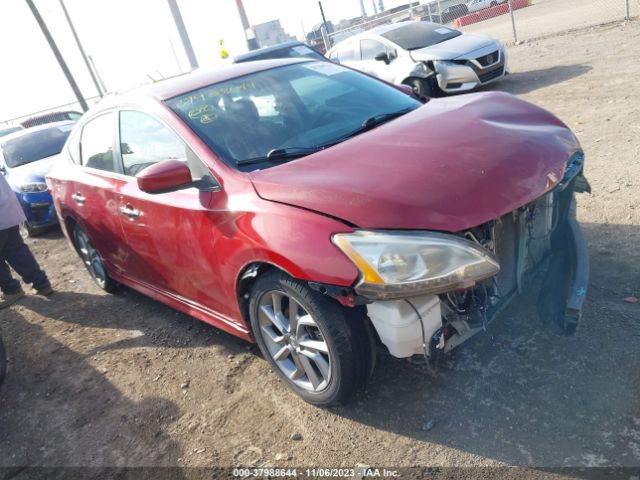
(120, 380)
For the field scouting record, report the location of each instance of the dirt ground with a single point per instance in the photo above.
(120, 380)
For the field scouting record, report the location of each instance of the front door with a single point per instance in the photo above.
(170, 235)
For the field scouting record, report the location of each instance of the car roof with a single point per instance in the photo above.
(28, 131)
(379, 32)
(388, 28)
(375, 32)
(273, 48)
(173, 87)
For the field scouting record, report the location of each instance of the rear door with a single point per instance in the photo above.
(170, 235)
(87, 189)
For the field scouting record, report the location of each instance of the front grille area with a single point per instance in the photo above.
(39, 212)
(489, 59)
(492, 75)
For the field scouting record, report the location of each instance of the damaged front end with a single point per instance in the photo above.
(493, 263)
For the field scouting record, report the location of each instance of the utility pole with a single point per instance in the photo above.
(249, 34)
(325, 36)
(182, 31)
(513, 22)
(97, 74)
(58, 55)
(84, 56)
(363, 11)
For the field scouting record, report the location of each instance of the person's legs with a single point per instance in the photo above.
(18, 255)
(11, 289)
(8, 284)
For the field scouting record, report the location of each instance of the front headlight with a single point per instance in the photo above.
(33, 187)
(401, 264)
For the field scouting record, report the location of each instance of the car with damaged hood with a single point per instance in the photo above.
(276, 201)
(429, 57)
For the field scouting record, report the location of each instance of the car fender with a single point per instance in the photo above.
(294, 240)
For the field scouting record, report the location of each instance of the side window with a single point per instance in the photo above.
(74, 147)
(96, 144)
(145, 141)
(370, 48)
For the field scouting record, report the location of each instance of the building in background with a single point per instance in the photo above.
(271, 33)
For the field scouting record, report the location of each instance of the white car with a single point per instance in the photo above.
(477, 5)
(426, 56)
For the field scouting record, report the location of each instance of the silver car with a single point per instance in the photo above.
(426, 56)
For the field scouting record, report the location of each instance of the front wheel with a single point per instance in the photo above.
(92, 260)
(421, 87)
(27, 231)
(321, 350)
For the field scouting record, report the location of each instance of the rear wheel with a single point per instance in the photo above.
(92, 260)
(321, 350)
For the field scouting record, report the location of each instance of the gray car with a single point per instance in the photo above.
(426, 56)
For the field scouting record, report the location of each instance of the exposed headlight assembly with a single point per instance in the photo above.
(33, 187)
(401, 264)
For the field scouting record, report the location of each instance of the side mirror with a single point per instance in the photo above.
(382, 57)
(167, 175)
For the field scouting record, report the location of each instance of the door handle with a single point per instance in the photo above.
(78, 198)
(129, 211)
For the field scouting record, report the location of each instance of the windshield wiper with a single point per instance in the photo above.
(282, 155)
(278, 155)
(375, 121)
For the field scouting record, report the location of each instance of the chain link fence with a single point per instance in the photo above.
(510, 21)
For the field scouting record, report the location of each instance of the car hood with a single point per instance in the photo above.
(31, 172)
(457, 48)
(450, 165)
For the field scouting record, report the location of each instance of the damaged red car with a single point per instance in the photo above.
(325, 214)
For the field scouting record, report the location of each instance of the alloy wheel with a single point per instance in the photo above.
(294, 341)
(90, 257)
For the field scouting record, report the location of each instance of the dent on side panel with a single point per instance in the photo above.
(291, 239)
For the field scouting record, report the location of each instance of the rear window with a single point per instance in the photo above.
(420, 35)
(35, 145)
(296, 51)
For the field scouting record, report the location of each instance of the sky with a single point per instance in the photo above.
(130, 41)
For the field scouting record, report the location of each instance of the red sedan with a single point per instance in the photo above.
(325, 214)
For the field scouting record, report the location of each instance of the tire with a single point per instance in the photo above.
(3, 362)
(327, 356)
(421, 87)
(92, 260)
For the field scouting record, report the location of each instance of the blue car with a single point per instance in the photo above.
(26, 157)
